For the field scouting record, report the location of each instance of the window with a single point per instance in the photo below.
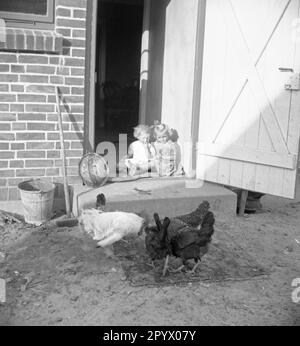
(28, 13)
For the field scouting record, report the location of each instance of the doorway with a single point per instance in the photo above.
(118, 61)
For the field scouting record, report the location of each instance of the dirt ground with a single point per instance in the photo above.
(58, 277)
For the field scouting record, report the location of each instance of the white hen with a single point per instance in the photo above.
(109, 227)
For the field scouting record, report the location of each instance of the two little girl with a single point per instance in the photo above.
(163, 156)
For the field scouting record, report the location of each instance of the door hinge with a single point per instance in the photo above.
(293, 83)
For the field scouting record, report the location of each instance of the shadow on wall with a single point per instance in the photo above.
(156, 63)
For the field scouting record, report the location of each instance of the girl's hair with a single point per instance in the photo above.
(160, 130)
(140, 129)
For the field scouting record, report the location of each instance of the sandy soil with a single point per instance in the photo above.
(58, 277)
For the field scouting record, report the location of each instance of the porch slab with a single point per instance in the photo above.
(168, 197)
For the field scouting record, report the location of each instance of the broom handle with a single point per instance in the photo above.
(63, 155)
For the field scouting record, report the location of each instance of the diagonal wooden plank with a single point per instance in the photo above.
(258, 89)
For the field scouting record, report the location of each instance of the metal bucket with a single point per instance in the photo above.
(37, 197)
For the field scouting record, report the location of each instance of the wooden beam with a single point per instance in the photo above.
(239, 153)
(242, 202)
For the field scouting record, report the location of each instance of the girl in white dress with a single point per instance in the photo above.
(141, 153)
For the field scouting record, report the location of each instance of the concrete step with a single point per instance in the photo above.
(168, 197)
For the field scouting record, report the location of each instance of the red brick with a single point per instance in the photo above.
(33, 79)
(77, 72)
(52, 136)
(47, 89)
(19, 126)
(30, 136)
(4, 108)
(80, 53)
(50, 172)
(16, 108)
(31, 117)
(18, 88)
(8, 78)
(63, 31)
(66, 127)
(77, 43)
(32, 98)
(74, 153)
(4, 68)
(38, 163)
(74, 62)
(30, 172)
(3, 182)
(40, 127)
(72, 171)
(17, 69)
(4, 87)
(56, 80)
(33, 59)
(7, 98)
(40, 145)
(31, 154)
(73, 117)
(8, 117)
(76, 145)
(77, 91)
(3, 164)
(16, 164)
(63, 12)
(7, 173)
(79, 14)
(65, 71)
(7, 155)
(58, 146)
(7, 57)
(17, 146)
(53, 154)
(40, 69)
(7, 137)
(4, 146)
(5, 127)
(40, 108)
(79, 33)
(74, 162)
(70, 23)
(74, 81)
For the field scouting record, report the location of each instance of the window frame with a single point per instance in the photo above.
(28, 20)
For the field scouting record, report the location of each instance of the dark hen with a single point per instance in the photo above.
(101, 201)
(157, 243)
(195, 218)
(191, 243)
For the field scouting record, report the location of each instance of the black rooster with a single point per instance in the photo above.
(192, 243)
(157, 243)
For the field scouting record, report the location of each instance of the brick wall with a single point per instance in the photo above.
(29, 137)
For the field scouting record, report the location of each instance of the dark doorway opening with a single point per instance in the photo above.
(118, 60)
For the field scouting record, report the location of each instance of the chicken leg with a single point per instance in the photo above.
(166, 266)
(195, 266)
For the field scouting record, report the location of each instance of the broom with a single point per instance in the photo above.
(68, 220)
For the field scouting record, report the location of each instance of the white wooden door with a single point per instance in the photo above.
(249, 122)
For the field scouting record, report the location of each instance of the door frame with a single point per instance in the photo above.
(198, 70)
(91, 77)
